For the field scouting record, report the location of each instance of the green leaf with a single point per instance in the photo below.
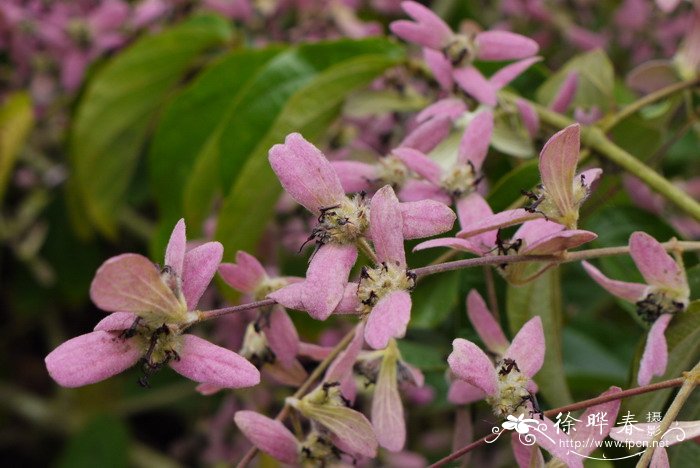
(435, 299)
(119, 106)
(596, 81)
(543, 297)
(16, 121)
(249, 205)
(683, 341)
(425, 357)
(102, 442)
(510, 137)
(370, 102)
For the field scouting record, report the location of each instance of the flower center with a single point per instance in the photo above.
(460, 180)
(343, 223)
(543, 202)
(512, 389)
(316, 450)
(656, 303)
(377, 282)
(461, 50)
(255, 346)
(392, 171)
(268, 286)
(160, 346)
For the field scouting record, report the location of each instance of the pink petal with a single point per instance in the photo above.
(282, 336)
(566, 93)
(342, 366)
(476, 140)
(314, 351)
(200, 267)
(326, 278)
(386, 226)
(352, 432)
(111, 14)
(292, 375)
(449, 107)
(131, 282)
(655, 356)
(269, 436)
(388, 319)
(558, 162)
(485, 324)
(355, 176)
(660, 459)
(206, 362)
(559, 445)
(245, 275)
(350, 302)
(387, 409)
(505, 75)
(474, 208)
(116, 321)
(656, 266)
(455, 243)
(90, 358)
(440, 66)
(631, 292)
(420, 164)
(504, 45)
(429, 29)
(528, 346)
(474, 83)
(305, 173)
(530, 118)
(590, 177)
(464, 393)
(595, 433)
(471, 364)
(175, 251)
(73, 70)
(527, 456)
(463, 433)
(497, 221)
(426, 136)
(560, 242)
(207, 389)
(426, 218)
(533, 231)
(667, 6)
(415, 190)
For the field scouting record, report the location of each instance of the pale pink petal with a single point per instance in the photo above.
(530, 118)
(485, 324)
(643, 432)
(505, 75)
(451, 242)
(660, 459)
(655, 356)
(474, 83)
(558, 161)
(73, 70)
(533, 231)
(326, 278)
(269, 436)
(293, 375)
(289, 296)
(314, 351)
(132, 283)
(504, 45)
(305, 173)
(651, 75)
(207, 389)
(116, 321)
(559, 242)
(177, 246)
(667, 6)
(656, 266)
(565, 94)
(282, 336)
(463, 433)
(631, 292)
(200, 267)
(426, 218)
(388, 319)
(90, 358)
(342, 366)
(426, 136)
(429, 30)
(497, 221)
(464, 393)
(415, 190)
(476, 140)
(355, 176)
(595, 433)
(474, 208)
(420, 164)
(440, 66)
(528, 346)
(558, 444)
(527, 456)
(589, 177)
(472, 365)
(245, 275)
(387, 409)
(205, 362)
(110, 14)
(448, 107)
(386, 226)
(350, 303)
(642, 196)
(352, 432)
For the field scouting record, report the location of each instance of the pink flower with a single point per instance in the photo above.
(665, 294)
(566, 93)
(678, 431)
(310, 179)
(150, 308)
(561, 193)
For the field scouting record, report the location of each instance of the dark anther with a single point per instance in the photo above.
(371, 299)
(131, 331)
(535, 405)
(364, 273)
(507, 367)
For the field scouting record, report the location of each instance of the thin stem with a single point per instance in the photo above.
(573, 407)
(595, 138)
(650, 98)
(216, 313)
(481, 261)
(491, 292)
(305, 387)
(367, 249)
(690, 380)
